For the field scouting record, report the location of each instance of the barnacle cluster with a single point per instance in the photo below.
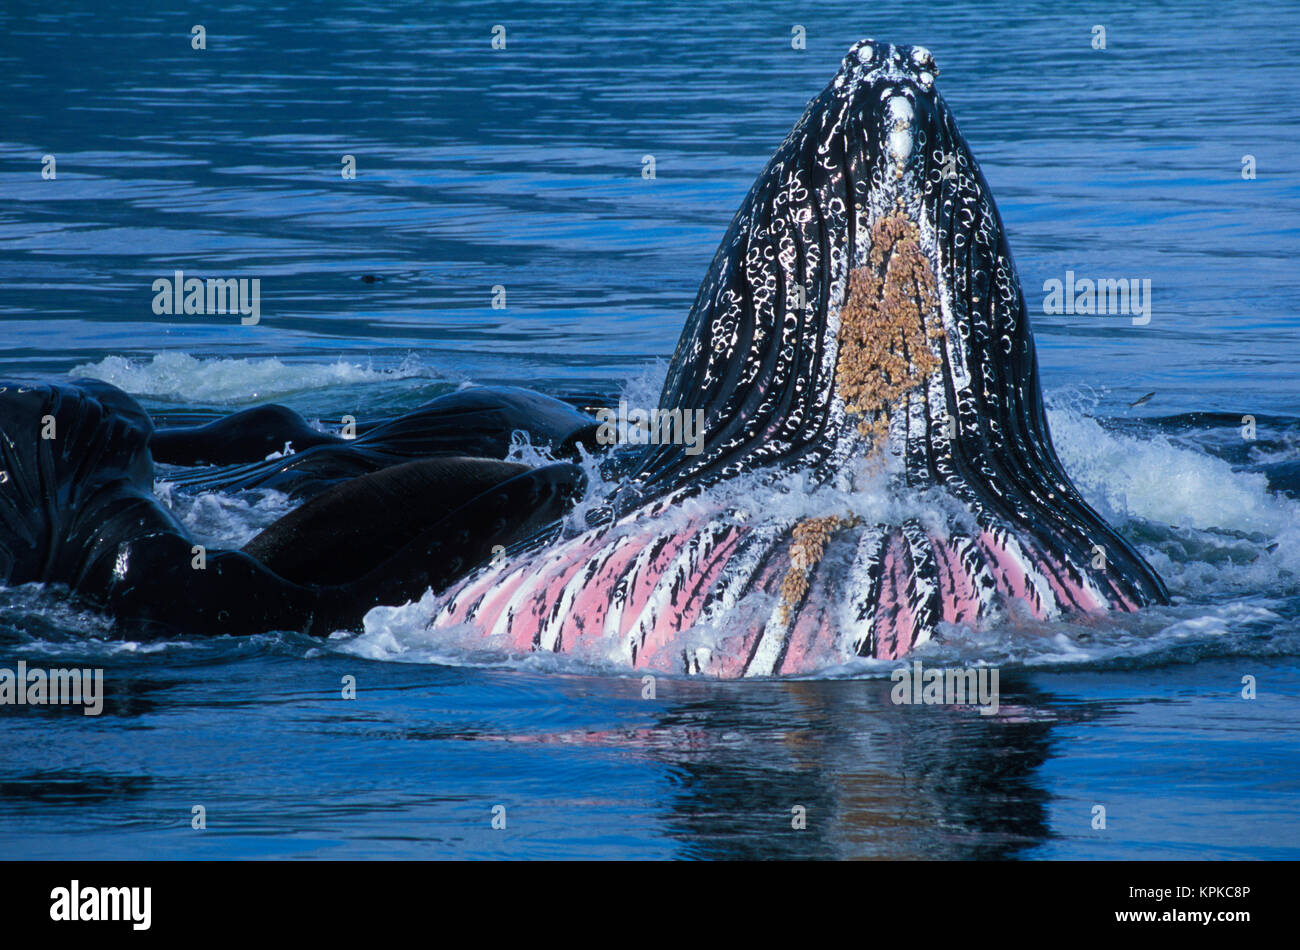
(808, 543)
(884, 344)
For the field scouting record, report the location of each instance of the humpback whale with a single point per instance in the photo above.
(861, 320)
(77, 507)
(874, 466)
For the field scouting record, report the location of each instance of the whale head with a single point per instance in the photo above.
(860, 324)
(864, 305)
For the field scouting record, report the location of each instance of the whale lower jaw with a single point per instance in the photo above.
(686, 585)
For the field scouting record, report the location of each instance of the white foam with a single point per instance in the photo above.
(1153, 479)
(225, 521)
(184, 378)
(1220, 532)
(643, 390)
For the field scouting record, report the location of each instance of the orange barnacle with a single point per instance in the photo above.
(884, 344)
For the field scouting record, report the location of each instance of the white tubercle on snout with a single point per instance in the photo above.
(900, 144)
(900, 111)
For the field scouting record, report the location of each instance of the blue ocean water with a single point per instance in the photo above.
(522, 168)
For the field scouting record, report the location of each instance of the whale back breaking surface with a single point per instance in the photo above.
(862, 319)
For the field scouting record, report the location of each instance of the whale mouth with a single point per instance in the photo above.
(864, 305)
(861, 322)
